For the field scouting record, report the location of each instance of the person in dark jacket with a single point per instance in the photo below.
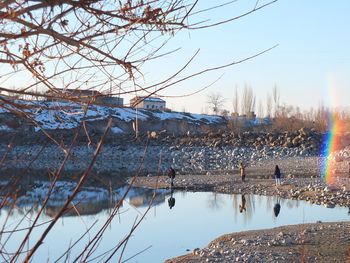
(277, 175)
(171, 174)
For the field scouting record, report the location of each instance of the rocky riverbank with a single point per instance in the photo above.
(128, 159)
(209, 163)
(319, 242)
(302, 243)
(313, 190)
(187, 154)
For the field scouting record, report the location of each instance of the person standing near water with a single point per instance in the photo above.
(242, 170)
(171, 174)
(277, 175)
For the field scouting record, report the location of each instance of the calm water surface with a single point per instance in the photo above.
(195, 220)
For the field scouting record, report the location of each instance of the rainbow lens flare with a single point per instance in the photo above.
(331, 143)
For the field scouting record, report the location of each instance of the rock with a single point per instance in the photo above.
(304, 132)
(153, 135)
(196, 251)
(216, 254)
(289, 241)
(288, 144)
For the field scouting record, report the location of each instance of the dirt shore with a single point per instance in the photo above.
(319, 242)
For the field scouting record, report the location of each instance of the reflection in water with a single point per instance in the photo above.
(217, 213)
(89, 201)
(171, 200)
(276, 209)
(244, 203)
(242, 206)
(215, 201)
(143, 197)
(79, 209)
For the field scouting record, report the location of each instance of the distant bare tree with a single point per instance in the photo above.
(260, 110)
(276, 99)
(235, 102)
(248, 100)
(319, 117)
(268, 105)
(298, 114)
(215, 101)
(204, 110)
(215, 201)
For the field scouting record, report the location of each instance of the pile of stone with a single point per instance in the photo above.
(303, 138)
(283, 244)
(128, 159)
(190, 154)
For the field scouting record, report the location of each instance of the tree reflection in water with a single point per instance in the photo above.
(244, 205)
(195, 211)
(95, 200)
(215, 201)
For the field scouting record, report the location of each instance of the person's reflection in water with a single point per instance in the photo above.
(242, 205)
(277, 208)
(171, 200)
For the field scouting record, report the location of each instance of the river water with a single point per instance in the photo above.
(195, 219)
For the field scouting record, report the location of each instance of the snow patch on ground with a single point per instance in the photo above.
(208, 118)
(164, 115)
(116, 130)
(66, 115)
(5, 128)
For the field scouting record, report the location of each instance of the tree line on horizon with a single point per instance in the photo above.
(284, 116)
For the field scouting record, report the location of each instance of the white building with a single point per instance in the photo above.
(151, 103)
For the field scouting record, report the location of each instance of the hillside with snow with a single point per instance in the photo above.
(64, 115)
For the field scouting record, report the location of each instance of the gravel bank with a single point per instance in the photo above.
(297, 183)
(321, 242)
(128, 159)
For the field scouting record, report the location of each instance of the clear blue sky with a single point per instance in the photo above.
(311, 61)
(310, 64)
